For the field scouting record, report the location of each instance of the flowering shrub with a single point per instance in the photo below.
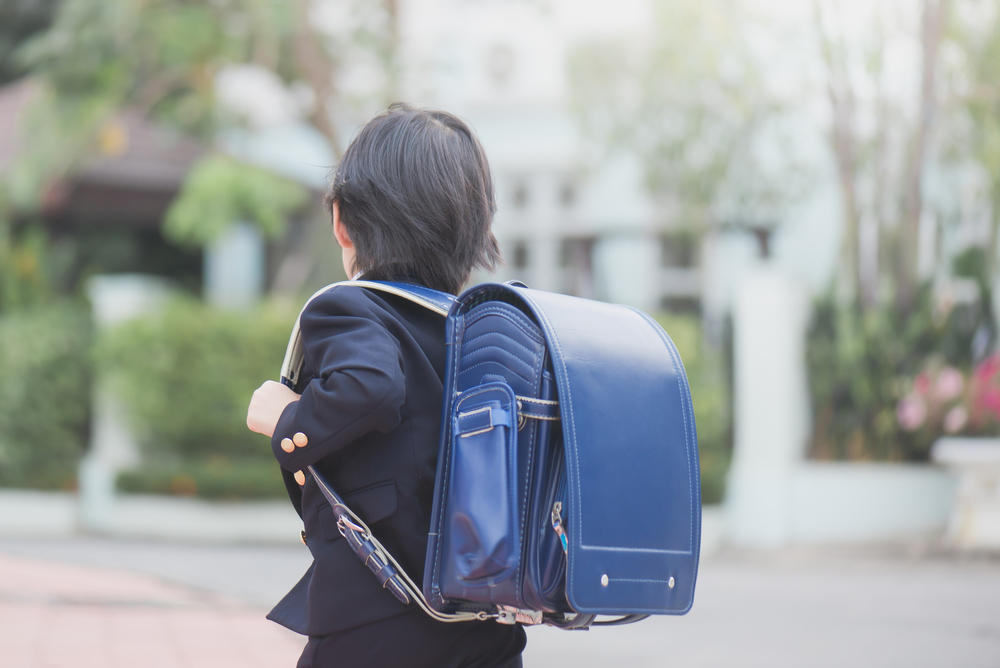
(875, 394)
(944, 400)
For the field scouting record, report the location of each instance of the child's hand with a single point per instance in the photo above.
(266, 405)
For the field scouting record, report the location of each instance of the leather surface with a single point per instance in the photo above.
(632, 457)
(495, 353)
(629, 486)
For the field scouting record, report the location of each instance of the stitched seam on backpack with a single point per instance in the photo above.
(570, 563)
(447, 476)
(515, 316)
(686, 407)
(466, 355)
(525, 379)
(506, 336)
(468, 394)
(524, 506)
(470, 353)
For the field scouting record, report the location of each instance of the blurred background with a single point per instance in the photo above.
(806, 195)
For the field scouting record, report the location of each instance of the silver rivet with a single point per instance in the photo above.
(604, 580)
(670, 582)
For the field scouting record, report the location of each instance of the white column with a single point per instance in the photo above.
(771, 408)
(234, 267)
(113, 299)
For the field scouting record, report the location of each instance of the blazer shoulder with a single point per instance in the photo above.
(341, 300)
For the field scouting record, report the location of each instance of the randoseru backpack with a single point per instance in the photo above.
(567, 479)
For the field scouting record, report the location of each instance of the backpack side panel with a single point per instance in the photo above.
(632, 457)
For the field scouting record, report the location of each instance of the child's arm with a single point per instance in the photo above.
(359, 386)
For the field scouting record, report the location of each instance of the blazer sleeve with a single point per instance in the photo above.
(359, 385)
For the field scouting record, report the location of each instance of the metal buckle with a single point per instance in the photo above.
(511, 615)
(343, 524)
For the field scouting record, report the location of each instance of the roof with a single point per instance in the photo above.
(131, 151)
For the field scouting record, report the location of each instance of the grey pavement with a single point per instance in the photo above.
(258, 575)
(906, 606)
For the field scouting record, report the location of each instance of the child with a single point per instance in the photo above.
(412, 201)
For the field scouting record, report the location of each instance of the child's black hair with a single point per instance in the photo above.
(415, 193)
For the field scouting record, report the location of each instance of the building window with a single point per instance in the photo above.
(519, 254)
(678, 249)
(576, 259)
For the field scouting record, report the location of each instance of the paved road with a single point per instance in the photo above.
(805, 608)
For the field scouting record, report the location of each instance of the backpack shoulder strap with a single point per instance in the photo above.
(433, 300)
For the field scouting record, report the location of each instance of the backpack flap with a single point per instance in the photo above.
(634, 497)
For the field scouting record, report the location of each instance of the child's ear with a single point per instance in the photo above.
(339, 231)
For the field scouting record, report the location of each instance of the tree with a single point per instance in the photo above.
(976, 33)
(162, 58)
(689, 99)
(19, 21)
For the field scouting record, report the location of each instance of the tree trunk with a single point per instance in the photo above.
(844, 140)
(907, 246)
(318, 69)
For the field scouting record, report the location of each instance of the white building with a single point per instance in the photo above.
(565, 222)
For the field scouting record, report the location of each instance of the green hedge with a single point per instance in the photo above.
(215, 478)
(187, 376)
(45, 380)
(710, 396)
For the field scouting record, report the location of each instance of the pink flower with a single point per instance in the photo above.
(950, 384)
(988, 368)
(991, 401)
(956, 419)
(922, 384)
(911, 413)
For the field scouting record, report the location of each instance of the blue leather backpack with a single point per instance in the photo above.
(567, 480)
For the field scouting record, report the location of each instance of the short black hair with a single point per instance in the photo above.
(415, 193)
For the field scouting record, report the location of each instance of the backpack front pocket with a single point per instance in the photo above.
(484, 544)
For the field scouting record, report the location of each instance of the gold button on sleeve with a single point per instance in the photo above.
(300, 477)
(300, 439)
(287, 445)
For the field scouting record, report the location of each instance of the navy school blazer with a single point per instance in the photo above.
(371, 386)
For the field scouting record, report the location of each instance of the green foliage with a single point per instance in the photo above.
(710, 396)
(861, 364)
(23, 254)
(215, 478)
(160, 54)
(980, 42)
(158, 58)
(45, 378)
(219, 191)
(187, 377)
(18, 22)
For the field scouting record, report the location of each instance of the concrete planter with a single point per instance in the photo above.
(838, 502)
(974, 522)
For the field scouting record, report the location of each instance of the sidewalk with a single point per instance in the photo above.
(106, 603)
(58, 615)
